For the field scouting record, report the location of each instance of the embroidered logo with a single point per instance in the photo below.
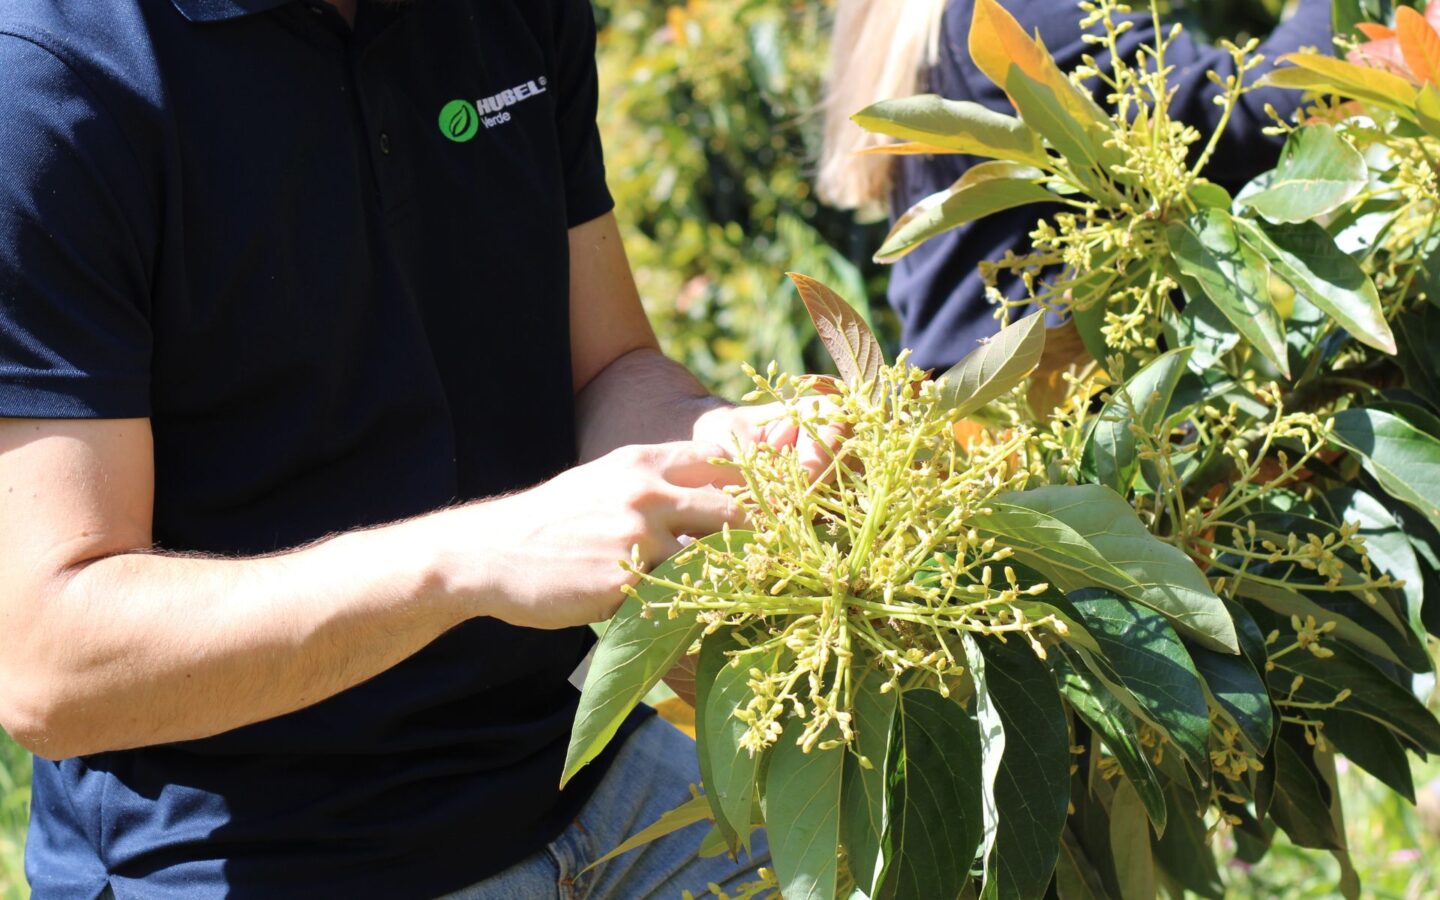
(460, 120)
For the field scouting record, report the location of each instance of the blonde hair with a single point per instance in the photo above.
(878, 51)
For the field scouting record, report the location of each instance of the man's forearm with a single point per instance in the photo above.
(139, 649)
(641, 398)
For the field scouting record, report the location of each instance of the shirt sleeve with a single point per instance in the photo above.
(586, 195)
(75, 264)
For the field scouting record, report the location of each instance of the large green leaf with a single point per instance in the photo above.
(1042, 109)
(1183, 852)
(1238, 690)
(1033, 785)
(992, 750)
(1375, 750)
(1317, 172)
(1076, 877)
(1419, 332)
(1152, 663)
(728, 769)
(1373, 695)
(1302, 805)
(1156, 573)
(996, 366)
(635, 652)
(1110, 455)
(1316, 72)
(864, 802)
(1404, 459)
(802, 816)
(1309, 261)
(1109, 719)
(937, 819)
(984, 189)
(1388, 547)
(843, 331)
(1287, 602)
(1208, 249)
(1130, 836)
(962, 126)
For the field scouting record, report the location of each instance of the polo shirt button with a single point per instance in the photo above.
(385, 143)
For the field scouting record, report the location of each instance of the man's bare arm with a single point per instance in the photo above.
(110, 645)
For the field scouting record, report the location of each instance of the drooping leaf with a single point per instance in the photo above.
(1388, 547)
(1043, 108)
(1302, 805)
(1032, 787)
(984, 189)
(1130, 838)
(936, 816)
(1182, 852)
(802, 815)
(1158, 574)
(1116, 727)
(636, 651)
(1405, 460)
(996, 366)
(1110, 455)
(997, 42)
(1075, 876)
(1208, 249)
(1288, 602)
(1308, 259)
(1239, 691)
(1317, 173)
(1201, 325)
(1152, 663)
(696, 809)
(864, 803)
(1373, 749)
(843, 331)
(728, 768)
(959, 126)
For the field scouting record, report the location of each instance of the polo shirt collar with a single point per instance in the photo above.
(220, 10)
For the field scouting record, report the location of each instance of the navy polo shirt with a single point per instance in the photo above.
(330, 266)
(937, 290)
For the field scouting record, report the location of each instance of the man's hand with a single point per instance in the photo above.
(550, 557)
(815, 445)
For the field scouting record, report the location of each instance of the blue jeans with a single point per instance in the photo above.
(651, 775)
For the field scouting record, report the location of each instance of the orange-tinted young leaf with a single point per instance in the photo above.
(1383, 54)
(1419, 43)
(997, 42)
(1374, 30)
(909, 148)
(1432, 15)
(851, 344)
(1311, 71)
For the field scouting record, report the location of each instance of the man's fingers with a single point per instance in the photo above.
(701, 511)
(690, 464)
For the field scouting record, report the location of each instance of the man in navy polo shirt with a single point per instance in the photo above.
(287, 291)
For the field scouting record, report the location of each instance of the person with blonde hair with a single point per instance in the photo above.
(884, 49)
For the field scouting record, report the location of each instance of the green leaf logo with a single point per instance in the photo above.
(459, 121)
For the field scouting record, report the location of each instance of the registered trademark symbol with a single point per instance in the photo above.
(543, 81)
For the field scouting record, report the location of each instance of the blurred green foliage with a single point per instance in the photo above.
(709, 112)
(14, 814)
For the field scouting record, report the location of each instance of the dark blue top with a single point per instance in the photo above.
(331, 268)
(937, 290)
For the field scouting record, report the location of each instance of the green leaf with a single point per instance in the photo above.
(1110, 455)
(1116, 727)
(1316, 72)
(864, 801)
(1375, 750)
(961, 126)
(1130, 836)
(1208, 249)
(996, 366)
(1317, 173)
(1239, 691)
(802, 815)
(1388, 547)
(984, 189)
(632, 656)
(696, 809)
(1405, 460)
(1075, 876)
(1155, 573)
(1152, 664)
(1373, 695)
(1288, 602)
(1419, 331)
(992, 750)
(727, 769)
(1310, 262)
(1301, 806)
(1200, 326)
(1033, 784)
(1183, 852)
(937, 820)
(843, 331)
